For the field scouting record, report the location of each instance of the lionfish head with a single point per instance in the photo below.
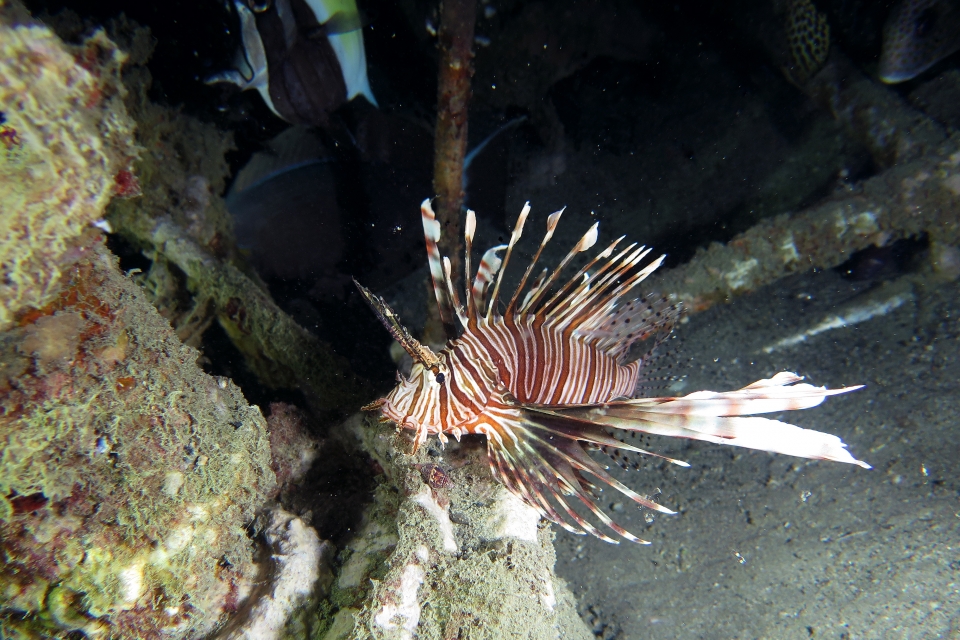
(414, 402)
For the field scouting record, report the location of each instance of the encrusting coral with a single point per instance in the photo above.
(67, 149)
(127, 477)
(445, 552)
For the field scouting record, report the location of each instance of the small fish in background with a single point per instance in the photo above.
(918, 34)
(305, 57)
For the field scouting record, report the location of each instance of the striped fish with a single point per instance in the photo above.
(549, 374)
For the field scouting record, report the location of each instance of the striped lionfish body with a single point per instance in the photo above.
(550, 371)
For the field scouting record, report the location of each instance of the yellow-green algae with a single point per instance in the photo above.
(127, 475)
(69, 151)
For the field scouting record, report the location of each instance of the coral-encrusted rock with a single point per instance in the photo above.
(457, 557)
(127, 475)
(66, 148)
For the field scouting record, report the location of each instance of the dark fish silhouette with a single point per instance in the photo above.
(918, 34)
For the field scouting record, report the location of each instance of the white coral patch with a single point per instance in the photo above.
(178, 539)
(297, 561)
(172, 483)
(865, 224)
(426, 500)
(403, 612)
(199, 511)
(737, 278)
(131, 583)
(548, 598)
(513, 518)
(788, 250)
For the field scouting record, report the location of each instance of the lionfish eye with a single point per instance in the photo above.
(440, 378)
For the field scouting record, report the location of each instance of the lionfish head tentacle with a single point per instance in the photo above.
(419, 352)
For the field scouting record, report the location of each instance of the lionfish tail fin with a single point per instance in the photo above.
(728, 418)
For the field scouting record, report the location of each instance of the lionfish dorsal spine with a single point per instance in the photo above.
(534, 291)
(469, 229)
(514, 237)
(431, 234)
(585, 243)
(594, 301)
(579, 285)
(552, 221)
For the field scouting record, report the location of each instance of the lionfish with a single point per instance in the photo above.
(552, 372)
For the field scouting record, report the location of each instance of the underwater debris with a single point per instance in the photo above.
(128, 476)
(887, 298)
(918, 34)
(908, 200)
(66, 148)
(551, 372)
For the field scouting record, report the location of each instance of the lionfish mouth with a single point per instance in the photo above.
(564, 381)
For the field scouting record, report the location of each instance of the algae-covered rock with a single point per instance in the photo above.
(127, 475)
(446, 552)
(66, 147)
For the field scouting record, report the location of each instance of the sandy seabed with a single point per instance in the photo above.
(769, 546)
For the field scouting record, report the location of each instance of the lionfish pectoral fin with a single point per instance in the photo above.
(728, 418)
(538, 456)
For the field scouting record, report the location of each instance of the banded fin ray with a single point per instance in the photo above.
(441, 288)
(537, 452)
